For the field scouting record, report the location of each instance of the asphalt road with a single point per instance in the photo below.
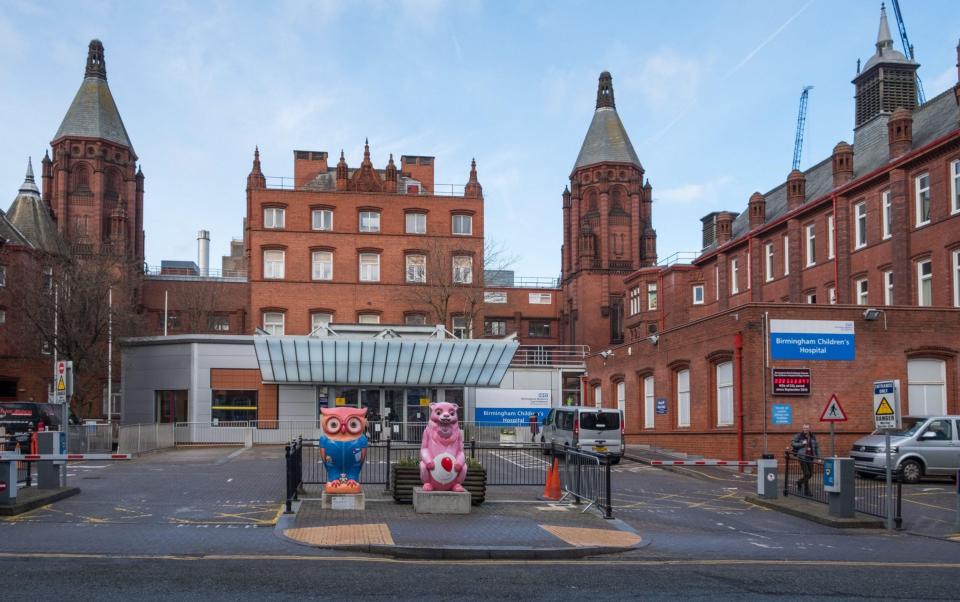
(192, 524)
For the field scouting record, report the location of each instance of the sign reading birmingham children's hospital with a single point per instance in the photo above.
(811, 340)
(511, 407)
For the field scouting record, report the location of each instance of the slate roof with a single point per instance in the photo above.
(30, 217)
(9, 234)
(94, 114)
(938, 117)
(606, 141)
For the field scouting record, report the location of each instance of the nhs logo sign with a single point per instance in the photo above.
(812, 340)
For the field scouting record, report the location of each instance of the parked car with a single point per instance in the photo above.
(21, 418)
(923, 446)
(598, 430)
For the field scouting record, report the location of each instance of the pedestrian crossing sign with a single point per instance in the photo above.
(833, 412)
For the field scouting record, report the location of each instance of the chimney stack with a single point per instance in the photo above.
(724, 225)
(203, 252)
(900, 133)
(796, 189)
(758, 210)
(842, 164)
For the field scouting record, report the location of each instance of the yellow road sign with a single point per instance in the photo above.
(61, 386)
(884, 408)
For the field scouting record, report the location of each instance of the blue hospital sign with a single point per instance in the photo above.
(812, 340)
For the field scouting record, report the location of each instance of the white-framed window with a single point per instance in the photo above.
(462, 269)
(416, 223)
(462, 224)
(860, 225)
(888, 287)
(3, 316)
(734, 285)
(369, 267)
(622, 398)
(540, 298)
(597, 396)
(956, 277)
(831, 247)
(369, 221)
(321, 263)
(927, 387)
(725, 394)
(273, 261)
(861, 289)
(925, 283)
(811, 298)
(955, 186)
(683, 397)
(318, 319)
(494, 328)
(494, 297)
(460, 329)
(416, 268)
(786, 254)
(749, 270)
(651, 296)
(273, 323)
(48, 278)
(832, 295)
(649, 403)
(698, 294)
(322, 219)
(368, 319)
(768, 262)
(634, 300)
(716, 282)
(811, 245)
(923, 199)
(273, 217)
(3, 275)
(886, 213)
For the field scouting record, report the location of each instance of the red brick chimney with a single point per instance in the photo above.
(758, 210)
(724, 224)
(900, 133)
(796, 189)
(842, 164)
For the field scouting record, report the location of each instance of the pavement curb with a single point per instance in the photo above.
(859, 522)
(38, 500)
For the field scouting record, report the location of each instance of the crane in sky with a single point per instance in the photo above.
(907, 48)
(801, 126)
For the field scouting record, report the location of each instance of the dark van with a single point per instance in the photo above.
(21, 418)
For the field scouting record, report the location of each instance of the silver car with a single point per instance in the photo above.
(598, 430)
(923, 446)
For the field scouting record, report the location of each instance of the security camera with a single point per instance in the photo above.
(872, 314)
(654, 338)
(606, 353)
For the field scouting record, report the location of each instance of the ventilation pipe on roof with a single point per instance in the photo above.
(203, 252)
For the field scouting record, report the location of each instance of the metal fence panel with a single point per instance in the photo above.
(90, 438)
(871, 495)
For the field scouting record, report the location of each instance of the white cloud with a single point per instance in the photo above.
(670, 79)
(702, 192)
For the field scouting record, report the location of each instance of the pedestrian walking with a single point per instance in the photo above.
(534, 427)
(805, 447)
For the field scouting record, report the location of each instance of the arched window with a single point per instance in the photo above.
(81, 181)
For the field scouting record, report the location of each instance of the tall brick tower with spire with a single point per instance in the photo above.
(607, 228)
(91, 183)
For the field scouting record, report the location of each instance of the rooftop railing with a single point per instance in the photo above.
(524, 282)
(287, 183)
(550, 355)
(684, 257)
(156, 273)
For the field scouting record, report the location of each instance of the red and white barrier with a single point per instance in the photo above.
(11, 457)
(702, 463)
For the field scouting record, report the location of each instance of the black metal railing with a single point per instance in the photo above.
(516, 464)
(585, 476)
(870, 496)
(25, 473)
(294, 464)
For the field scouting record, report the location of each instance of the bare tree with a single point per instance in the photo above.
(196, 301)
(453, 282)
(65, 301)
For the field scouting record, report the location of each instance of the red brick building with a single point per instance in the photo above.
(874, 226)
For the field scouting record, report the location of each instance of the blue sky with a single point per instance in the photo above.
(708, 92)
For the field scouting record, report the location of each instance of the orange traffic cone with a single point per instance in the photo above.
(551, 489)
(33, 444)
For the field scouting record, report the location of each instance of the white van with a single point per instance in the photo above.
(598, 430)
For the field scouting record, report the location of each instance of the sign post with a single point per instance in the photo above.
(886, 416)
(833, 413)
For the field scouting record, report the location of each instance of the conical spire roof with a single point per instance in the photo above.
(30, 217)
(606, 140)
(93, 113)
(885, 52)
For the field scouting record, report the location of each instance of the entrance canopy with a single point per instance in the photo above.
(386, 362)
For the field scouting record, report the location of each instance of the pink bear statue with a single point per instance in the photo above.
(442, 464)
